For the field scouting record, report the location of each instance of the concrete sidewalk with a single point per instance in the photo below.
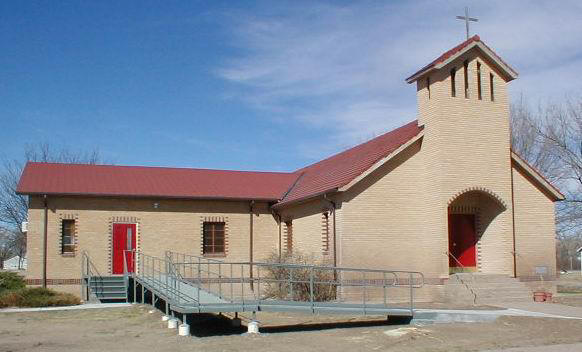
(78, 307)
(544, 308)
(550, 348)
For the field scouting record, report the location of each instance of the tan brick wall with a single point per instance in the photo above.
(535, 230)
(175, 225)
(308, 227)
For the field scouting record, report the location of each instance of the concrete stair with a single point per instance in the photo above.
(482, 289)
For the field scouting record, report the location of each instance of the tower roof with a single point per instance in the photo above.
(452, 54)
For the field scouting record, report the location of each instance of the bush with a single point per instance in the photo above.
(324, 284)
(10, 281)
(37, 297)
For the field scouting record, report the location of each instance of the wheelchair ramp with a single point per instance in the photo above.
(191, 284)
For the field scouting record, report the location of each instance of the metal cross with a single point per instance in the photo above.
(466, 18)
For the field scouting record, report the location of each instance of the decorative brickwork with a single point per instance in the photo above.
(223, 219)
(325, 233)
(66, 216)
(288, 236)
(121, 220)
(37, 282)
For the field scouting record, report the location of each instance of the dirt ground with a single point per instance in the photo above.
(136, 329)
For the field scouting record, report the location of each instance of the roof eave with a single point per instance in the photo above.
(381, 162)
(545, 184)
(509, 72)
(144, 196)
(282, 204)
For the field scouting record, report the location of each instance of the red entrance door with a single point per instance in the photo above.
(123, 240)
(462, 240)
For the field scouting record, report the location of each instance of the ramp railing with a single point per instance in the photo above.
(297, 284)
(160, 276)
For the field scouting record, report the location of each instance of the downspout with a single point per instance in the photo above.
(333, 205)
(278, 217)
(513, 217)
(252, 203)
(45, 242)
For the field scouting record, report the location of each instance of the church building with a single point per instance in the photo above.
(442, 194)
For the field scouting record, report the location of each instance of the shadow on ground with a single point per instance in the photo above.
(209, 325)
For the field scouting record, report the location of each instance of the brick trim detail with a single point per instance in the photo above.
(325, 232)
(68, 216)
(122, 220)
(38, 282)
(478, 189)
(288, 236)
(223, 219)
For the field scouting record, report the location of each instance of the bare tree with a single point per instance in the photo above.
(550, 139)
(6, 251)
(14, 207)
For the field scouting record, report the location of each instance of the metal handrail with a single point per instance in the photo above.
(88, 271)
(160, 275)
(210, 275)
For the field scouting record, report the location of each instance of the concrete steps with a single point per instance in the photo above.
(485, 289)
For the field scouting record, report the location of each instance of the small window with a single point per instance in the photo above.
(466, 78)
(479, 81)
(453, 88)
(491, 87)
(68, 237)
(289, 235)
(213, 238)
(428, 86)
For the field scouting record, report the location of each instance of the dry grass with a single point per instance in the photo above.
(37, 297)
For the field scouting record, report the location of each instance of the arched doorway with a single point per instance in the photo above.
(470, 214)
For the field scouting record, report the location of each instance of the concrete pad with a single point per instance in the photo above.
(77, 307)
(544, 308)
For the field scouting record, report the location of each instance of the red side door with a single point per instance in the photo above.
(462, 240)
(123, 240)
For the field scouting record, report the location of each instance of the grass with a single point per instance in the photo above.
(14, 293)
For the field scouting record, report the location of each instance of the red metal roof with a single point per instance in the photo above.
(445, 56)
(340, 169)
(138, 181)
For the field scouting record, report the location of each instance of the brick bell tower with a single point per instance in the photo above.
(463, 106)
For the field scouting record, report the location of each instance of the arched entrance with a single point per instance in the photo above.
(470, 214)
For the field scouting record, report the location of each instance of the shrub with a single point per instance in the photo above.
(324, 285)
(37, 297)
(10, 281)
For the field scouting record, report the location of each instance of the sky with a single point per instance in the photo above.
(250, 85)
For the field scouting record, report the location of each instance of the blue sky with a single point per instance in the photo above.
(253, 85)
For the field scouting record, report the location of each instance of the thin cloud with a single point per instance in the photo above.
(340, 69)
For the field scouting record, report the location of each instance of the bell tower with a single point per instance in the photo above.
(464, 108)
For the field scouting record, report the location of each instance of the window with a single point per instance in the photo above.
(453, 88)
(68, 237)
(491, 87)
(213, 236)
(479, 81)
(289, 236)
(428, 86)
(466, 77)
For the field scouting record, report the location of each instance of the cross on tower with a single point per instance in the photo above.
(467, 19)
